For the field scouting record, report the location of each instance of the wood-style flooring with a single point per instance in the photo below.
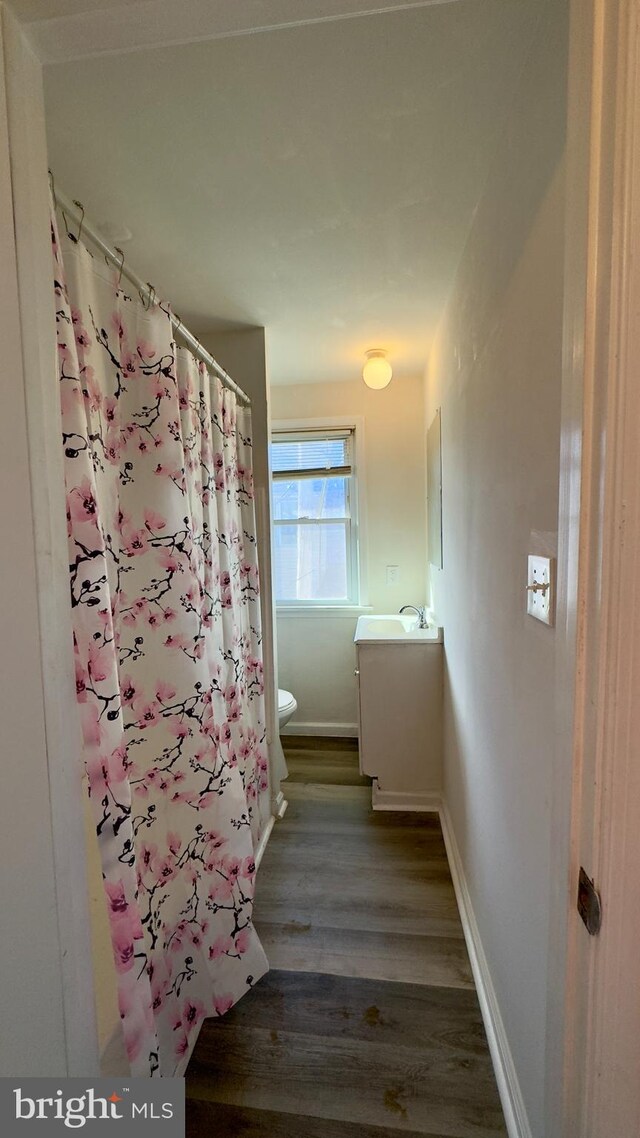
(368, 1025)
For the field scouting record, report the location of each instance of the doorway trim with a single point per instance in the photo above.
(599, 549)
(46, 802)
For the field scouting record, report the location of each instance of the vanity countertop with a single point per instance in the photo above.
(394, 628)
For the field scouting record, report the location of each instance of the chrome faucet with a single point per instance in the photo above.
(422, 615)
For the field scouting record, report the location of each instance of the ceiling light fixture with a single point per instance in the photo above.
(377, 370)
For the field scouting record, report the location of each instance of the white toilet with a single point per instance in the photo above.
(287, 706)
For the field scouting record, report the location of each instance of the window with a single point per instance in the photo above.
(314, 517)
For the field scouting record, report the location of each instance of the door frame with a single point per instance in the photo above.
(49, 959)
(599, 596)
(599, 537)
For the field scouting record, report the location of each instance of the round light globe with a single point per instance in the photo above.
(377, 371)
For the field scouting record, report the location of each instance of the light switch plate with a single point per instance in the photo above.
(393, 574)
(541, 588)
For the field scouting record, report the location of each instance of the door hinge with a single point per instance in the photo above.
(589, 904)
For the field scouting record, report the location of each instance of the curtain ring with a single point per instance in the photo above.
(179, 324)
(52, 184)
(151, 296)
(79, 206)
(120, 266)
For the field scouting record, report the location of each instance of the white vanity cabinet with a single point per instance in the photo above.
(400, 682)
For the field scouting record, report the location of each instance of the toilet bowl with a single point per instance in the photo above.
(287, 706)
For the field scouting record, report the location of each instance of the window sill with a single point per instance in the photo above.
(348, 612)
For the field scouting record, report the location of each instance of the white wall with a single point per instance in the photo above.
(316, 653)
(46, 994)
(495, 370)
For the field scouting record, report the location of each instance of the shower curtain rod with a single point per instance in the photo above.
(145, 290)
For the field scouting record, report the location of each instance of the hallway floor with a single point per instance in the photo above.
(368, 1025)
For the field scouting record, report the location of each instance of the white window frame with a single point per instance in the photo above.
(357, 549)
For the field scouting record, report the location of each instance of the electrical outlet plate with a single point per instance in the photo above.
(541, 588)
(393, 574)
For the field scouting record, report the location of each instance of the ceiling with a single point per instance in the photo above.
(51, 10)
(318, 180)
(46, 9)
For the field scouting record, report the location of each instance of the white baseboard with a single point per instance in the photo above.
(508, 1086)
(264, 838)
(404, 800)
(279, 805)
(338, 730)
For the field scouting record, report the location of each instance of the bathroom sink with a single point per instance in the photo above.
(398, 627)
(383, 626)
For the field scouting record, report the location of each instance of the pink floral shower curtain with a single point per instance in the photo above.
(164, 586)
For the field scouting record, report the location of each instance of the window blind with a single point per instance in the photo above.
(312, 455)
